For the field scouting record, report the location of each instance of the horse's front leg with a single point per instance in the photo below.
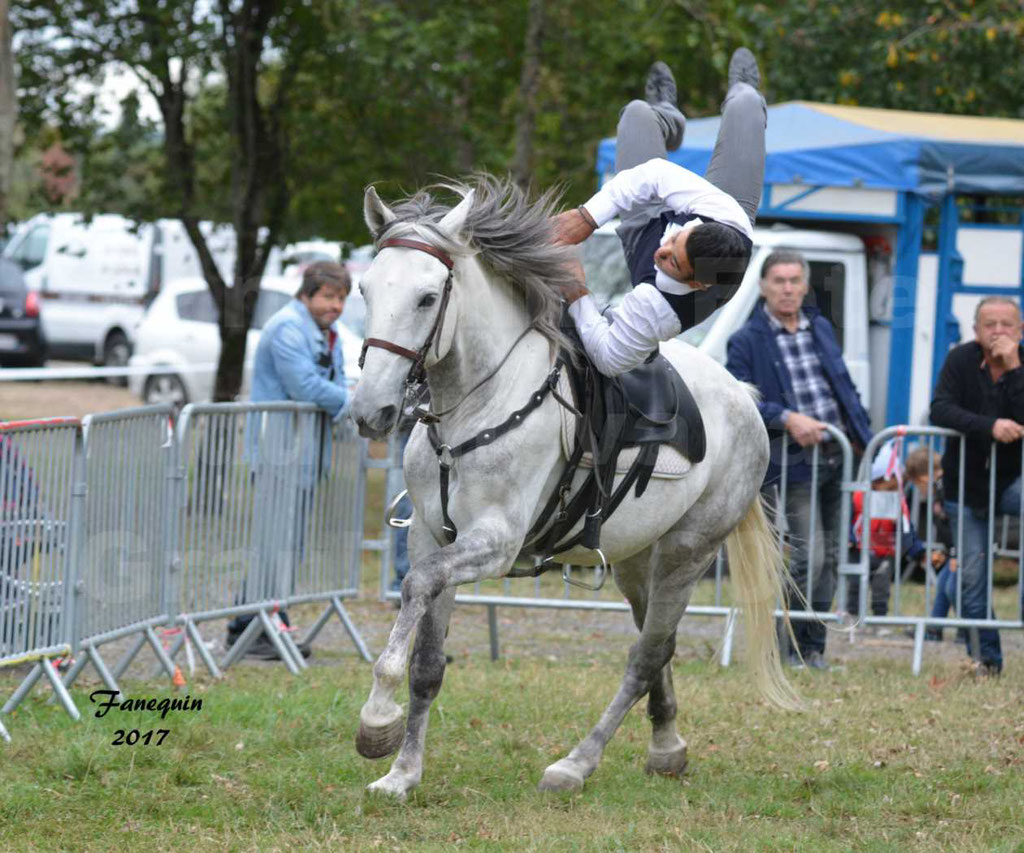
(485, 551)
(426, 671)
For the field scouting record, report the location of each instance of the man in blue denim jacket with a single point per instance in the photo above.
(299, 354)
(299, 358)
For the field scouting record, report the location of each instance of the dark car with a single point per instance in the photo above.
(22, 343)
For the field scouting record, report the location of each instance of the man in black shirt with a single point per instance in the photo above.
(981, 393)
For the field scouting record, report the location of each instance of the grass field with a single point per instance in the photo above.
(879, 761)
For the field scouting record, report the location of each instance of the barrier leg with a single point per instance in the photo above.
(975, 643)
(204, 653)
(105, 674)
(275, 638)
(730, 633)
(3, 733)
(23, 689)
(89, 654)
(293, 649)
(241, 645)
(317, 626)
(918, 647)
(353, 632)
(161, 655)
(492, 630)
(60, 690)
(72, 674)
(129, 656)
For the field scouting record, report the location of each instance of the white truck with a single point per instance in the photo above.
(96, 276)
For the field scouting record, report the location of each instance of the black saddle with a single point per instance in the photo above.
(660, 408)
(646, 407)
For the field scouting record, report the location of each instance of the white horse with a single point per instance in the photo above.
(472, 292)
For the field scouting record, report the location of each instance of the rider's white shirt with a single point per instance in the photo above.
(644, 318)
(678, 188)
(641, 320)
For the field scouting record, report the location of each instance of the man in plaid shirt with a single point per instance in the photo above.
(789, 351)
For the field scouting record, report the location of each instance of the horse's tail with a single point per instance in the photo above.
(758, 573)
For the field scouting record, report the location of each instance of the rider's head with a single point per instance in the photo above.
(709, 253)
(324, 289)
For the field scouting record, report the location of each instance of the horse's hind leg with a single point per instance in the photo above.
(426, 670)
(666, 753)
(649, 656)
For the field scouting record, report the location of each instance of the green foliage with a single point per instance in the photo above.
(953, 57)
(400, 92)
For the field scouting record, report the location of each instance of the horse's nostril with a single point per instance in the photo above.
(386, 417)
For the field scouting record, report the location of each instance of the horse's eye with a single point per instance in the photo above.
(427, 301)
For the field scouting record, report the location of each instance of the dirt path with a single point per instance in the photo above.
(73, 398)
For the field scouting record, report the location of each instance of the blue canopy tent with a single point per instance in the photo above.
(914, 159)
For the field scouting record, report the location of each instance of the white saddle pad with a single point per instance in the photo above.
(671, 464)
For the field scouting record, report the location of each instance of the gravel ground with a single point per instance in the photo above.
(23, 400)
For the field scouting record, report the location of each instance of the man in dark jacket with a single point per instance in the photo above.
(981, 394)
(791, 354)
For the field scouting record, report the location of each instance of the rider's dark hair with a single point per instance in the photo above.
(718, 253)
(324, 274)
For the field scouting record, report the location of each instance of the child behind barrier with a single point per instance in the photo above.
(886, 508)
(933, 496)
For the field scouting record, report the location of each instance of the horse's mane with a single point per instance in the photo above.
(510, 232)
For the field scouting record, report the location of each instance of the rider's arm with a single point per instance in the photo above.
(659, 180)
(642, 319)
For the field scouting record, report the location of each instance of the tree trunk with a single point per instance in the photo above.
(529, 82)
(8, 109)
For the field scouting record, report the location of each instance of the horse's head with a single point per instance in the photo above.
(411, 308)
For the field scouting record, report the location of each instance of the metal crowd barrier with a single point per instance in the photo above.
(256, 489)
(120, 525)
(918, 615)
(120, 588)
(41, 489)
(549, 591)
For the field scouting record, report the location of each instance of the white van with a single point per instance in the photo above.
(95, 277)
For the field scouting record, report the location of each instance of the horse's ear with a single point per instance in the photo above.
(375, 212)
(455, 219)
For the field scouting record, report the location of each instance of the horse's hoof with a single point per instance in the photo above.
(380, 741)
(671, 763)
(560, 777)
(383, 787)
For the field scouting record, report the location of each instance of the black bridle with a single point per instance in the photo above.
(417, 373)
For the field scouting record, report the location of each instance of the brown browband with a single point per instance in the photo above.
(422, 247)
(395, 348)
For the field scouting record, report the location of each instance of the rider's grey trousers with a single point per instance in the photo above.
(737, 161)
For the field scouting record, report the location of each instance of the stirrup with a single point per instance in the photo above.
(399, 523)
(602, 574)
